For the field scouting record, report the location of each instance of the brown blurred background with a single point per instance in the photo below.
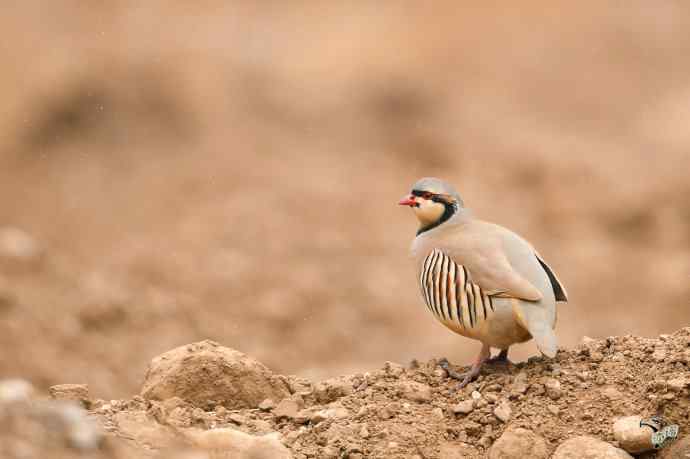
(174, 171)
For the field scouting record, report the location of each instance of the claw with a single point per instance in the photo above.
(469, 376)
(443, 363)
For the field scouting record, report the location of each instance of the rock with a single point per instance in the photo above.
(519, 443)
(464, 407)
(437, 413)
(503, 411)
(472, 428)
(300, 385)
(611, 393)
(680, 449)
(455, 450)
(267, 405)
(659, 355)
(174, 402)
(393, 369)
(631, 437)
(415, 391)
(553, 388)
(231, 443)
(15, 390)
(485, 442)
(553, 409)
(596, 356)
(582, 375)
(493, 388)
(334, 411)
(677, 384)
(388, 411)
(584, 447)
(520, 384)
(206, 374)
(289, 407)
(76, 392)
(237, 419)
(332, 389)
(686, 357)
(330, 452)
(144, 430)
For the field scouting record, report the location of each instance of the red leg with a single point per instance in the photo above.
(467, 377)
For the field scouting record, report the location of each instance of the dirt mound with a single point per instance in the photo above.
(207, 374)
(536, 408)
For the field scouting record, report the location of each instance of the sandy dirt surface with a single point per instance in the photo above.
(201, 401)
(173, 173)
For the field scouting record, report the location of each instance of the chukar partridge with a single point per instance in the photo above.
(479, 279)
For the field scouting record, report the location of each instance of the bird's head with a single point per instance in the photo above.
(433, 202)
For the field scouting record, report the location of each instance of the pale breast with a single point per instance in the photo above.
(452, 298)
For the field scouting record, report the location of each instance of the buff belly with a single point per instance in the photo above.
(500, 329)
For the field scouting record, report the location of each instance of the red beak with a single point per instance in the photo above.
(408, 201)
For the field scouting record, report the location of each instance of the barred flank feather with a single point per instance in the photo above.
(450, 295)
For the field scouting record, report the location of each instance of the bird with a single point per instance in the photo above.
(479, 279)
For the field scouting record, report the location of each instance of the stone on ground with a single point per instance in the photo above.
(234, 444)
(75, 392)
(584, 447)
(519, 443)
(631, 437)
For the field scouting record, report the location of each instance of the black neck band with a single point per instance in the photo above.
(449, 211)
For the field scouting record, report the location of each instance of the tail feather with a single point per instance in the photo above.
(546, 342)
(536, 320)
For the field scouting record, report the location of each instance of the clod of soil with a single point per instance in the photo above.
(207, 374)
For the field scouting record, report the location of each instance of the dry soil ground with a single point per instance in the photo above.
(197, 396)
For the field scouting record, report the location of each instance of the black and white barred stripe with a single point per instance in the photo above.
(449, 294)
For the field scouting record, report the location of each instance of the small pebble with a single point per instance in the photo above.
(503, 411)
(464, 407)
(267, 405)
(553, 388)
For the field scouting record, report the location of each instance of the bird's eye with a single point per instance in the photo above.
(427, 195)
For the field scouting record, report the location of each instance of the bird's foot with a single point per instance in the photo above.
(443, 363)
(465, 378)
